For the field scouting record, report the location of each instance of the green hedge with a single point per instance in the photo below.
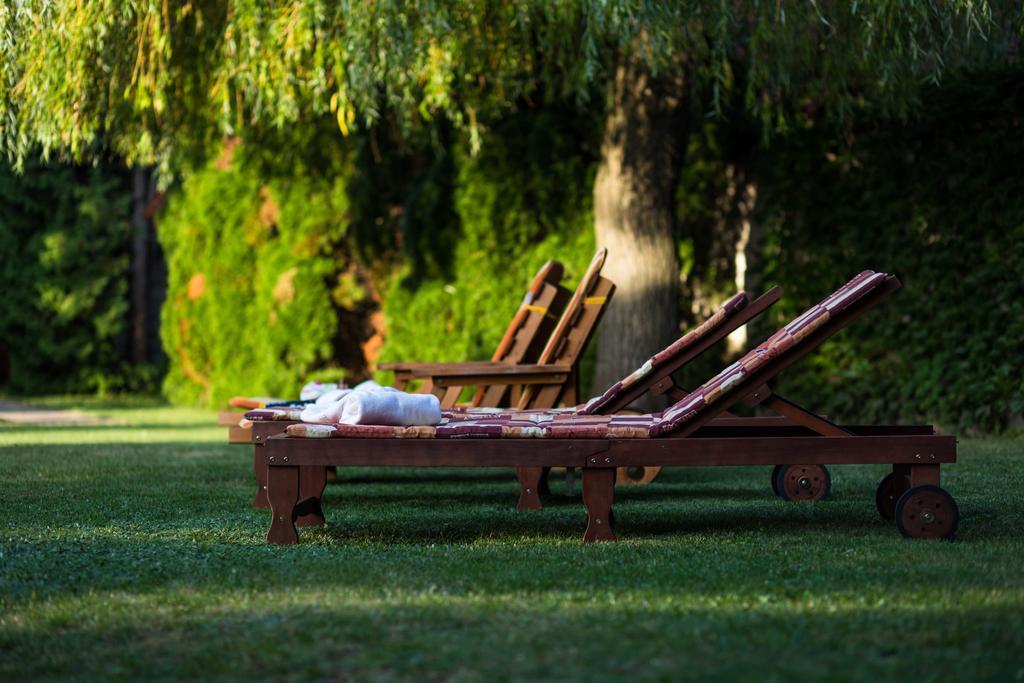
(256, 277)
(64, 256)
(939, 202)
(525, 199)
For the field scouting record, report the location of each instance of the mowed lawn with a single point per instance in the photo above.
(131, 551)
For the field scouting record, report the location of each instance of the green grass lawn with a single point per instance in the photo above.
(131, 551)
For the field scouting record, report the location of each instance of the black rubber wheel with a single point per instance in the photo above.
(803, 482)
(775, 479)
(927, 512)
(888, 492)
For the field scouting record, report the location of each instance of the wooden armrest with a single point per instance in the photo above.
(417, 367)
(485, 374)
(489, 368)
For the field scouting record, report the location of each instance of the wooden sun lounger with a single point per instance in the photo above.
(691, 433)
(655, 376)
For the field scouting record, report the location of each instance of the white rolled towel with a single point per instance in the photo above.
(395, 408)
(326, 408)
(370, 385)
(313, 390)
(332, 396)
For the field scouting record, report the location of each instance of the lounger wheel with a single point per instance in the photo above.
(636, 475)
(888, 493)
(927, 512)
(803, 482)
(775, 480)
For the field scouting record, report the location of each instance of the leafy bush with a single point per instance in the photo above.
(64, 240)
(256, 279)
(525, 199)
(939, 203)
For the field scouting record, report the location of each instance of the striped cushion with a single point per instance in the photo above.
(274, 415)
(668, 354)
(789, 336)
(507, 426)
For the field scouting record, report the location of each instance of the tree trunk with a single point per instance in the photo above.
(745, 248)
(634, 215)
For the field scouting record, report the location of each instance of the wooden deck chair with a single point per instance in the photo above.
(523, 341)
(683, 435)
(554, 378)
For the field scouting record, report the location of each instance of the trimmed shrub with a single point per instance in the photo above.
(65, 238)
(256, 277)
(939, 202)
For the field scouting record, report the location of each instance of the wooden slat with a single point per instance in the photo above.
(229, 418)
(239, 435)
(664, 452)
(429, 452)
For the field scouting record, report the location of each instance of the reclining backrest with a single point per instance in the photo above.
(531, 326)
(628, 389)
(537, 316)
(572, 334)
(789, 344)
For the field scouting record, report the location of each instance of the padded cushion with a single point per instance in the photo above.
(512, 425)
(789, 336)
(274, 415)
(668, 354)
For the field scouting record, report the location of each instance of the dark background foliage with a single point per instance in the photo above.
(65, 238)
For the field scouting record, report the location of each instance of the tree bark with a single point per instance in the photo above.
(634, 216)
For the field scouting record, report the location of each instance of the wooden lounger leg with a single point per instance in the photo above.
(529, 487)
(312, 481)
(598, 496)
(924, 474)
(259, 468)
(283, 491)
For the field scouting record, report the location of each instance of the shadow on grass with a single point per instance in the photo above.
(333, 639)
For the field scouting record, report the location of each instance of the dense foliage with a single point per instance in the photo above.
(254, 282)
(939, 203)
(167, 80)
(266, 289)
(64, 241)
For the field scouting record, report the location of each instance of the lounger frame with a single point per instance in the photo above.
(297, 475)
(296, 465)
